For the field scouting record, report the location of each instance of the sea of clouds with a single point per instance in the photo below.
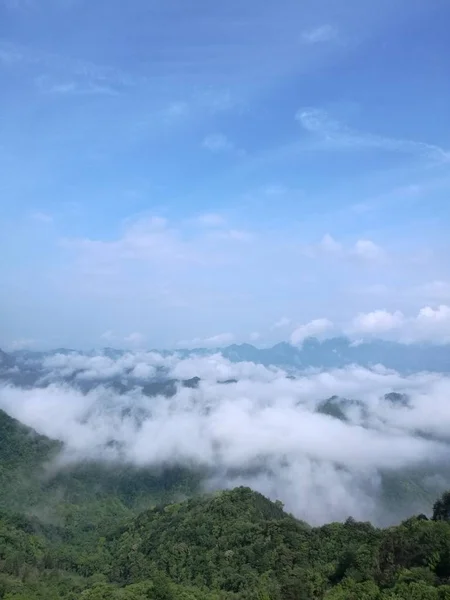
(252, 425)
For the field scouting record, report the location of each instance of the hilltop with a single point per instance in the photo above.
(234, 545)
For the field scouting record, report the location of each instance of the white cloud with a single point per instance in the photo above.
(211, 220)
(362, 249)
(255, 336)
(216, 100)
(323, 468)
(20, 5)
(202, 264)
(315, 328)
(329, 245)
(85, 367)
(218, 142)
(220, 339)
(336, 136)
(377, 322)
(99, 367)
(108, 336)
(177, 110)
(41, 217)
(9, 55)
(74, 88)
(84, 74)
(21, 344)
(320, 35)
(429, 325)
(239, 235)
(215, 226)
(135, 339)
(275, 190)
(161, 263)
(283, 322)
(215, 341)
(434, 290)
(146, 239)
(208, 100)
(367, 250)
(374, 289)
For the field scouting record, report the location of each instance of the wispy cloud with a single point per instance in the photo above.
(430, 324)
(177, 110)
(29, 6)
(218, 142)
(108, 336)
(362, 249)
(377, 322)
(367, 250)
(74, 88)
(437, 290)
(210, 102)
(154, 240)
(320, 35)
(42, 217)
(281, 323)
(316, 328)
(10, 54)
(18, 5)
(70, 72)
(239, 235)
(149, 239)
(210, 220)
(218, 100)
(215, 341)
(334, 135)
(21, 344)
(135, 339)
(275, 190)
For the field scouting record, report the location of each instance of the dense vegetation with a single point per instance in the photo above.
(96, 533)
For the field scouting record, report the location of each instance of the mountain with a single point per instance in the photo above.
(332, 353)
(23, 455)
(22, 446)
(99, 531)
(37, 475)
(341, 352)
(239, 542)
(6, 361)
(234, 545)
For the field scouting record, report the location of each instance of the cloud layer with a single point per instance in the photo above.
(262, 428)
(428, 325)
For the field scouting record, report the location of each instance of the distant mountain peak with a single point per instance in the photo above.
(6, 360)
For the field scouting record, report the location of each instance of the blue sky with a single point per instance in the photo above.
(205, 172)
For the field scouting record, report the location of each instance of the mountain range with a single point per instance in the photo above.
(313, 353)
(82, 534)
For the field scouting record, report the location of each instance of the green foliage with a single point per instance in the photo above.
(86, 538)
(441, 508)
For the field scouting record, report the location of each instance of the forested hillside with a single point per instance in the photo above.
(234, 545)
(78, 532)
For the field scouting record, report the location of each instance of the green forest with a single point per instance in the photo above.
(92, 532)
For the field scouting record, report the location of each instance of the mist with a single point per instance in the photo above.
(252, 425)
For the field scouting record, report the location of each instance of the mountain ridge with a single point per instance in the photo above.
(99, 532)
(335, 352)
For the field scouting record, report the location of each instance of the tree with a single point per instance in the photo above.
(441, 508)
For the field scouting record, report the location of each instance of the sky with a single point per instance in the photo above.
(203, 173)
